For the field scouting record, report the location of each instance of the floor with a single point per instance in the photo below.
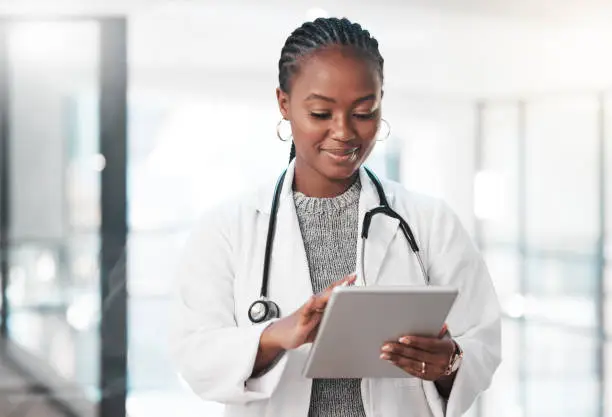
(21, 398)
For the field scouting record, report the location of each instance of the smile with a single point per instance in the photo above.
(342, 155)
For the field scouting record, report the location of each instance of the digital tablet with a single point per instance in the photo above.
(359, 320)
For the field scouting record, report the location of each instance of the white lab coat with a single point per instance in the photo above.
(214, 343)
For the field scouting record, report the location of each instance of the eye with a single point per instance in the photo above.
(321, 116)
(365, 116)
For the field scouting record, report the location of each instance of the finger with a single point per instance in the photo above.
(420, 369)
(347, 280)
(322, 298)
(418, 355)
(326, 293)
(312, 325)
(443, 332)
(307, 311)
(428, 344)
(312, 334)
(320, 302)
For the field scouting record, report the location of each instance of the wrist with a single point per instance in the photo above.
(268, 352)
(271, 339)
(454, 360)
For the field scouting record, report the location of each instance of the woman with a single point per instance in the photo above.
(330, 91)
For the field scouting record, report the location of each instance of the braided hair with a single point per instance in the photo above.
(319, 34)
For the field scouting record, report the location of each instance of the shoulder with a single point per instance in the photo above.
(230, 211)
(412, 201)
(430, 216)
(435, 224)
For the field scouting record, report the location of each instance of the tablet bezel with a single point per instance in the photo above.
(343, 357)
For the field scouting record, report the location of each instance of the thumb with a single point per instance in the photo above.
(307, 311)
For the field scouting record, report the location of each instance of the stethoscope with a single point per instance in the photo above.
(265, 309)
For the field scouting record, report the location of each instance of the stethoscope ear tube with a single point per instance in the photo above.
(264, 309)
(367, 220)
(405, 230)
(270, 238)
(385, 209)
(388, 211)
(379, 188)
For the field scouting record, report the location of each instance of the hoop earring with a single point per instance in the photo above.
(278, 126)
(388, 131)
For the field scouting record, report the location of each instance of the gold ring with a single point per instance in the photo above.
(423, 368)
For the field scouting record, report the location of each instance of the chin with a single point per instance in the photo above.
(340, 172)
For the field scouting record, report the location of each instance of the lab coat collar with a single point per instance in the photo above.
(368, 198)
(381, 233)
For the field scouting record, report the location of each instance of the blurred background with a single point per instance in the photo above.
(119, 120)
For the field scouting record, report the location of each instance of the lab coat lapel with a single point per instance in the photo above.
(381, 233)
(289, 275)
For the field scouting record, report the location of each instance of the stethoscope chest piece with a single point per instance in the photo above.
(263, 310)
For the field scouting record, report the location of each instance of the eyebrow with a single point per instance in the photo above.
(331, 100)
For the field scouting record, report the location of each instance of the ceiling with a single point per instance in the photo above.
(523, 9)
(468, 46)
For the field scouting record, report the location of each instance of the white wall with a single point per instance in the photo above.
(37, 150)
(429, 51)
(50, 66)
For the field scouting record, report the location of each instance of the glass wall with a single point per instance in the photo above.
(543, 248)
(54, 174)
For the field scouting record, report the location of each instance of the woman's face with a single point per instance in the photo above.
(334, 111)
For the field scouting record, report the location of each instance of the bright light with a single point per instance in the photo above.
(54, 43)
(46, 267)
(515, 307)
(515, 411)
(168, 402)
(83, 312)
(84, 266)
(98, 162)
(183, 143)
(490, 195)
(16, 292)
(39, 41)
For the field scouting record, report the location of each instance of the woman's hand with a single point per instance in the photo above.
(301, 327)
(294, 330)
(424, 357)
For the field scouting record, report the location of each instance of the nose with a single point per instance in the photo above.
(342, 129)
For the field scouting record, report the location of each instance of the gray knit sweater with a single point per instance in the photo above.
(329, 229)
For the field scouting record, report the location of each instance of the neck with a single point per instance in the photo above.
(311, 183)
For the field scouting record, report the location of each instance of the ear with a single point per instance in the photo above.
(283, 103)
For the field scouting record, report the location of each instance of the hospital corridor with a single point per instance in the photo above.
(123, 121)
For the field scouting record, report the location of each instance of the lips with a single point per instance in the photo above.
(341, 155)
(341, 151)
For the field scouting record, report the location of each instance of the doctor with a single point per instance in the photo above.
(330, 92)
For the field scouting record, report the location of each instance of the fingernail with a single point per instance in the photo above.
(404, 340)
(387, 348)
(385, 356)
